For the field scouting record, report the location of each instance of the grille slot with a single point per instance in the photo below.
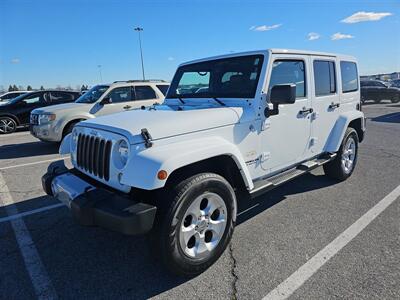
(93, 155)
(34, 119)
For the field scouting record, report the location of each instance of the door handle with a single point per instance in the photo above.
(127, 107)
(334, 105)
(306, 111)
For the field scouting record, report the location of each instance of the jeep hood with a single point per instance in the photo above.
(162, 123)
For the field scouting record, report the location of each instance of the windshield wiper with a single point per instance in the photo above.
(219, 101)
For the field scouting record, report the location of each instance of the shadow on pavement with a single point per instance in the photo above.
(27, 149)
(388, 118)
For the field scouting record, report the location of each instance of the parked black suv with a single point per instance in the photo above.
(377, 91)
(16, 112)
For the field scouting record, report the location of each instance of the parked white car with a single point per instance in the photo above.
(178, 169)
(53, 123)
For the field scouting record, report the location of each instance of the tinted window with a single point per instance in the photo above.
(144, 92)
(163, 88)
(121, 94)
(289, 72)
(324, 78)
(59, 97)
(34, 98)
(234, 77)
(349, 74)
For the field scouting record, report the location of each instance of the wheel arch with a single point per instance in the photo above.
(70, 122)
(212, 154)
(14, 117)
(353, 119)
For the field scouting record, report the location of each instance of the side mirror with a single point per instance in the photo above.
(283, 94)
(280, 94)
(105, 100)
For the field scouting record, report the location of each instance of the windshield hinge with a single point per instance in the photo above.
(147, 138)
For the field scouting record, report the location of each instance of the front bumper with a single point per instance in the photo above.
(93, 205)
(44, 132)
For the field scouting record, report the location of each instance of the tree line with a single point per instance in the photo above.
(13, 87)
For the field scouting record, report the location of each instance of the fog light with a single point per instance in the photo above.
(162, 175)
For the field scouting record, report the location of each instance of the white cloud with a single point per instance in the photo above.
(170, 58)
(312, 36)
(264, 27)
(15, 61)
(363, 16)
(341, 36)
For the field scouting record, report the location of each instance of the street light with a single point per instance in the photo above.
(139, 29)
(101, 77)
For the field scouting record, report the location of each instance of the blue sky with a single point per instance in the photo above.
(52, 43)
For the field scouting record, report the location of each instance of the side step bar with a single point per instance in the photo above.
(266, 184)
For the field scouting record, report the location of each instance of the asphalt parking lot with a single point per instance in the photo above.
(44, 254)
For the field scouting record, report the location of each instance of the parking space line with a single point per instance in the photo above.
(15, 134)
(33, 163)
(30, 212)
(299, 277)
(40, 280)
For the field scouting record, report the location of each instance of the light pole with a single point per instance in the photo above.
(139, 29)
(101, 77)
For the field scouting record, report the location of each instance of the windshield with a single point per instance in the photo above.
(234, 77)
(93, 94)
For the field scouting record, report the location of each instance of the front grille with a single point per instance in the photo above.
(93, 155)
(34, 119)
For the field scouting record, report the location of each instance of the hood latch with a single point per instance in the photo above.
(147, 138)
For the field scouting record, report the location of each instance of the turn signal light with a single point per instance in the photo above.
(162, 175)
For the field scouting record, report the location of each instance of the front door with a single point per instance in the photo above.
(285, 136)
(325, 102)
(121, 98)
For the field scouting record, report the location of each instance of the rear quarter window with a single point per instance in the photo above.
(349, 76)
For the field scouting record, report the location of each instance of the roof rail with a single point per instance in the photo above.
(138, 80)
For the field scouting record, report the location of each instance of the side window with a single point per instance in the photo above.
(35, 98)
(121, 94)
(163, 88)
(349, 75)
(289, 72)
(144, 92)
(60, 97)
(324, 77)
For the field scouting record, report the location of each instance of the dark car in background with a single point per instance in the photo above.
(395, 83)
(16, 112)
(377, 91)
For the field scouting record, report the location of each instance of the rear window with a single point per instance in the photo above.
(163, 88)
(349, 76)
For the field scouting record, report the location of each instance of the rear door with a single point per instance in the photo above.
(325, 102)
(145, 95)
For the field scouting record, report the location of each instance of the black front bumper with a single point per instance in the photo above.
(93, 205)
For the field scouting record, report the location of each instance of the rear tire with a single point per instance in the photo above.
(194, 224)
(396, 99)
(7, 125)
(345, 161)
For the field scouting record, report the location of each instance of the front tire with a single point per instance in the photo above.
(197, 224)
(7, 125)
(345, 161)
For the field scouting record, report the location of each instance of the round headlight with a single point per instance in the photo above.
(123, 152)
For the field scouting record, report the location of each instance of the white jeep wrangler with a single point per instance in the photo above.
(232, 125)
